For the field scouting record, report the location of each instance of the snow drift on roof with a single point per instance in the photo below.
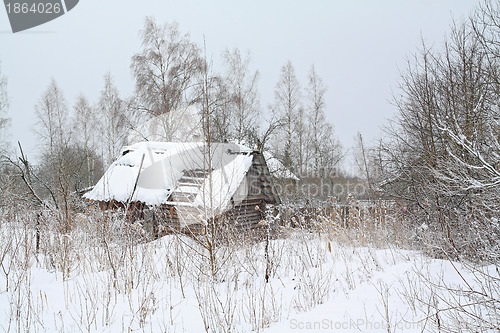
(277, 169)
(155, 168)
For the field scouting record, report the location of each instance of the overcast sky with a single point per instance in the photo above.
(357, 47)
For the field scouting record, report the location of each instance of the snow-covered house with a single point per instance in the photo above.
(190, 182)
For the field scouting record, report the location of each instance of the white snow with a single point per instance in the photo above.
(277, 169)
(223, 183)
(316, 285)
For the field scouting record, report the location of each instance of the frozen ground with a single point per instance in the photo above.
(90, 282)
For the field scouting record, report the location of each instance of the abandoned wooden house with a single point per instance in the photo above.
(190, 183)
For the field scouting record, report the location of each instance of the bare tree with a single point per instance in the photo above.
(444, 154)
(486, 25)
(221, 112)
(87, 125)
(316, 99)
(323, 151)
(52, 119)
(287, 107)
(362, 160)
(55, 135)
(243, 101)
(4, 105)
(370, 163)
(211, 97)
(5, 174)
(114, 120)
(165, 69)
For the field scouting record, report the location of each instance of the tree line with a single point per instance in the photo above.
(171, 72)
(440, 158)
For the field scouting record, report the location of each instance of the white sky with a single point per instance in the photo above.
(356, 46)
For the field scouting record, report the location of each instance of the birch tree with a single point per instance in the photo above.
(114, 120)
(166, 68)
(213, 96)
(243, 101)
(323, 151)
(288, 107)
(53, 127)
(87, 125)
(55, 135)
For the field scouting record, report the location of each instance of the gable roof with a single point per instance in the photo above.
(150, 172)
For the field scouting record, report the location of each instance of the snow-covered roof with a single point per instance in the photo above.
(154, 169)
(277, 169)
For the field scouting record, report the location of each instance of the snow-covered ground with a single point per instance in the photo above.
(88, 281)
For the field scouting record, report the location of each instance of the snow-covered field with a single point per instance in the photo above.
(97, 280)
